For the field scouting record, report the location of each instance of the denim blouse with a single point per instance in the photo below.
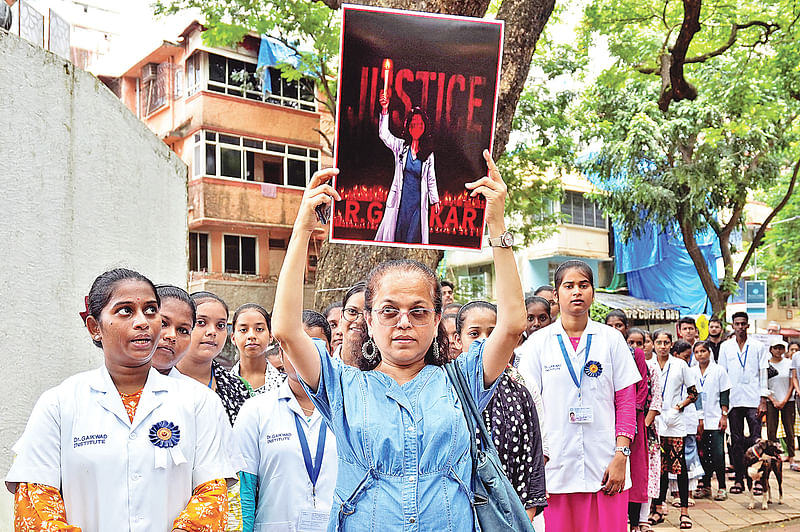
(404, 460)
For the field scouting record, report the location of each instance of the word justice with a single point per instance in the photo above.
(453, 98)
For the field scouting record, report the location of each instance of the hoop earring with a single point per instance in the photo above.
(369, 350)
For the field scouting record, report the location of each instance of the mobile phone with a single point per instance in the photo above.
(323, 212)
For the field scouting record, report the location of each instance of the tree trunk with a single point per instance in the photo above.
(342, 265)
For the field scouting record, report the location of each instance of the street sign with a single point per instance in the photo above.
(755, 298)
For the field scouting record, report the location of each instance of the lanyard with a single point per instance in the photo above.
(212, 377)
(577, 380)
(312, 470)
(666, 378)
(702, 381)
(739, 356)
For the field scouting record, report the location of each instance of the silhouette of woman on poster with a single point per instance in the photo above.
(405, 218)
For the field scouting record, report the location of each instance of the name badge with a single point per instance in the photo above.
(581, 414)
(312, 521)
(703, 397)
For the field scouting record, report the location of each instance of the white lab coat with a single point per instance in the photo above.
(429, 193)
(584, 450)
(79, 439)
(676, 378)
(744, 371)
(267, 435)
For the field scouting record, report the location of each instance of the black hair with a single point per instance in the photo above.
(659, 332)
(636, 330)
(702, 343)
(616, 313)
(426, 140)
(449, 316)
(357, 288)
(169, 291)
(312, 318)
(530, 300)
(445, 282)
(462, 314)
(686, 320)
(452, 308)
(579, 265)
(203, 296)
(740, 314)
(329, 308)
(409, 266)
(792, 342)
(544, 288)
(679, 347)
(103, 288)
(252, 306)
(716, 319)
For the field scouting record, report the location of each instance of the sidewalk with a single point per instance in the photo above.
(713, 516)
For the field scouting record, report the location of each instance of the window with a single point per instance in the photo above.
(235, 157)
(582, 210)
(240, 254)
(155, 83)
(194, 75)
(198, 252)
(178, 89)
(238, 78)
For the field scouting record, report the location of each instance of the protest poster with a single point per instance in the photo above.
(402, 172)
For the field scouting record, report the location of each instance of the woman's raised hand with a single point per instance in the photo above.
(492, 187)
(383, 99)
(318, 192)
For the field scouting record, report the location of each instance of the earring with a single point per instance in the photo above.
(435, 347)
(369, 350)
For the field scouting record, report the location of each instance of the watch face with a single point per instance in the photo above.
(507, 239)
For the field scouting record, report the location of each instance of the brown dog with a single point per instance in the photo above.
(761, 459)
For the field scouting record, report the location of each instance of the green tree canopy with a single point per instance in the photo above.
(697, 112)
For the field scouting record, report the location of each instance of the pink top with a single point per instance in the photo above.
(625, 410)
(575, 342)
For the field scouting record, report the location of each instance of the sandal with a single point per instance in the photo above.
(794, 467)
(655, 520)
(686, 522)
(721, 495)
(757, 489)
(736, 489)
(645, 527)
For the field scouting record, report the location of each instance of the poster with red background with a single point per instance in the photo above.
(402, 171)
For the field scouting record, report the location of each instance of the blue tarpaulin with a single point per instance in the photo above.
(658, 267)
(271, 53)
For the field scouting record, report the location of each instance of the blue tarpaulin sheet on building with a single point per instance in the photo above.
(658, 267)
(271, 53)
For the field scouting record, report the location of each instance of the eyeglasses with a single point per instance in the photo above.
(417, 317)
(351, 314)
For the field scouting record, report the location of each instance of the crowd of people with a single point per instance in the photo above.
(352, 423)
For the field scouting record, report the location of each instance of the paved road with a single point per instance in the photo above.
(733, 515)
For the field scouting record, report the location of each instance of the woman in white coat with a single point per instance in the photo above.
(123, 447)
(413, 190)
(585, 374)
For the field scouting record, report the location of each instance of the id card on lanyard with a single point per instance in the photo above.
(312, 520)
(744, 378)
(578, 413)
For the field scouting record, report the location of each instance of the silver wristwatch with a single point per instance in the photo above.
(624, 450)
(505, 240)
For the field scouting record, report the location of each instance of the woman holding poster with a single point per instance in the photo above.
(405, 218)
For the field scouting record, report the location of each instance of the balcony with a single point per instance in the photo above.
(236, 203)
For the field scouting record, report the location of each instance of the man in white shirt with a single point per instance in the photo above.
(746, 361)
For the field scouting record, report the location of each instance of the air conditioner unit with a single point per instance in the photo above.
(149, 72)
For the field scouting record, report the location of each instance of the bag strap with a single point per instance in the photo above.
(471, 412)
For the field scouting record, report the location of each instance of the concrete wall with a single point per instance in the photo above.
(86, 187)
